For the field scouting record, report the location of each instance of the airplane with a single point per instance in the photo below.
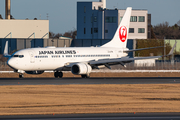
(80, 61)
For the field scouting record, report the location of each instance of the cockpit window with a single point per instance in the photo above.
(16, 56)
(20, 56)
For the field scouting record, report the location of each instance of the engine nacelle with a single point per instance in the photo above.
(34, 72)
(81, 69)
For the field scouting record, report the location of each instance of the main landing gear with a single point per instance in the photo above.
(21, 75)
(85, 76)
(58, 74)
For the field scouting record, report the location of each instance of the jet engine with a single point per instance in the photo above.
(81, 69)
(34, 72)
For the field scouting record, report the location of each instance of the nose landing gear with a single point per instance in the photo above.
(21, 75)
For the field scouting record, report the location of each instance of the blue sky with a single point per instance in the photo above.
(62, 13)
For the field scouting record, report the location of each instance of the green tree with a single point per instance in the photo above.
(70, 34)
(1, 16)
(178, 23)
(151, 43)
(153, 36)
(163, 30)
(51, 35)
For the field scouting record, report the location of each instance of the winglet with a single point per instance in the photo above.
(172, 50)
(6, 50)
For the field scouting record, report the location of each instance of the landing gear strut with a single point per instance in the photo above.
(85, 76)
(58, 74)
(21, 75)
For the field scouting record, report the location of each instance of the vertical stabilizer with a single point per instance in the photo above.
(120, 38)
(6, 50)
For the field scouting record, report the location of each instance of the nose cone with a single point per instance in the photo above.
(11, 63)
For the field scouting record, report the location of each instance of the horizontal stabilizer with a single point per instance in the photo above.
(142, 49)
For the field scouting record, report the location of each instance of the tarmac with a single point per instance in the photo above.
(116, 116)
(70, 81)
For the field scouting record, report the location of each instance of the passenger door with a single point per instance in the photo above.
(31, 57)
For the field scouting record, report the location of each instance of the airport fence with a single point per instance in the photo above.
(4, 67)
(170, 65)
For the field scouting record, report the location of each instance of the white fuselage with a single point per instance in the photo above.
(56, 58)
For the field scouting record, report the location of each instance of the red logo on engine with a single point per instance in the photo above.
(123, 33)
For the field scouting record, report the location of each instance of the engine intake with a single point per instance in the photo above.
(81, 69)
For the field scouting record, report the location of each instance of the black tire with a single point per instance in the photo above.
(60, 74)
(84, 76)
(21, 76)
(56, 74)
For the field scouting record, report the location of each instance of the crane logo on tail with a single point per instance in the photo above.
(123, 33)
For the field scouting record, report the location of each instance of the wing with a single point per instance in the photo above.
(121, 61)
(108, 62)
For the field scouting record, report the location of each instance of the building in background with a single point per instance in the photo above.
(95, 21)
(24, 28)
(11, 28)
(21, 33)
